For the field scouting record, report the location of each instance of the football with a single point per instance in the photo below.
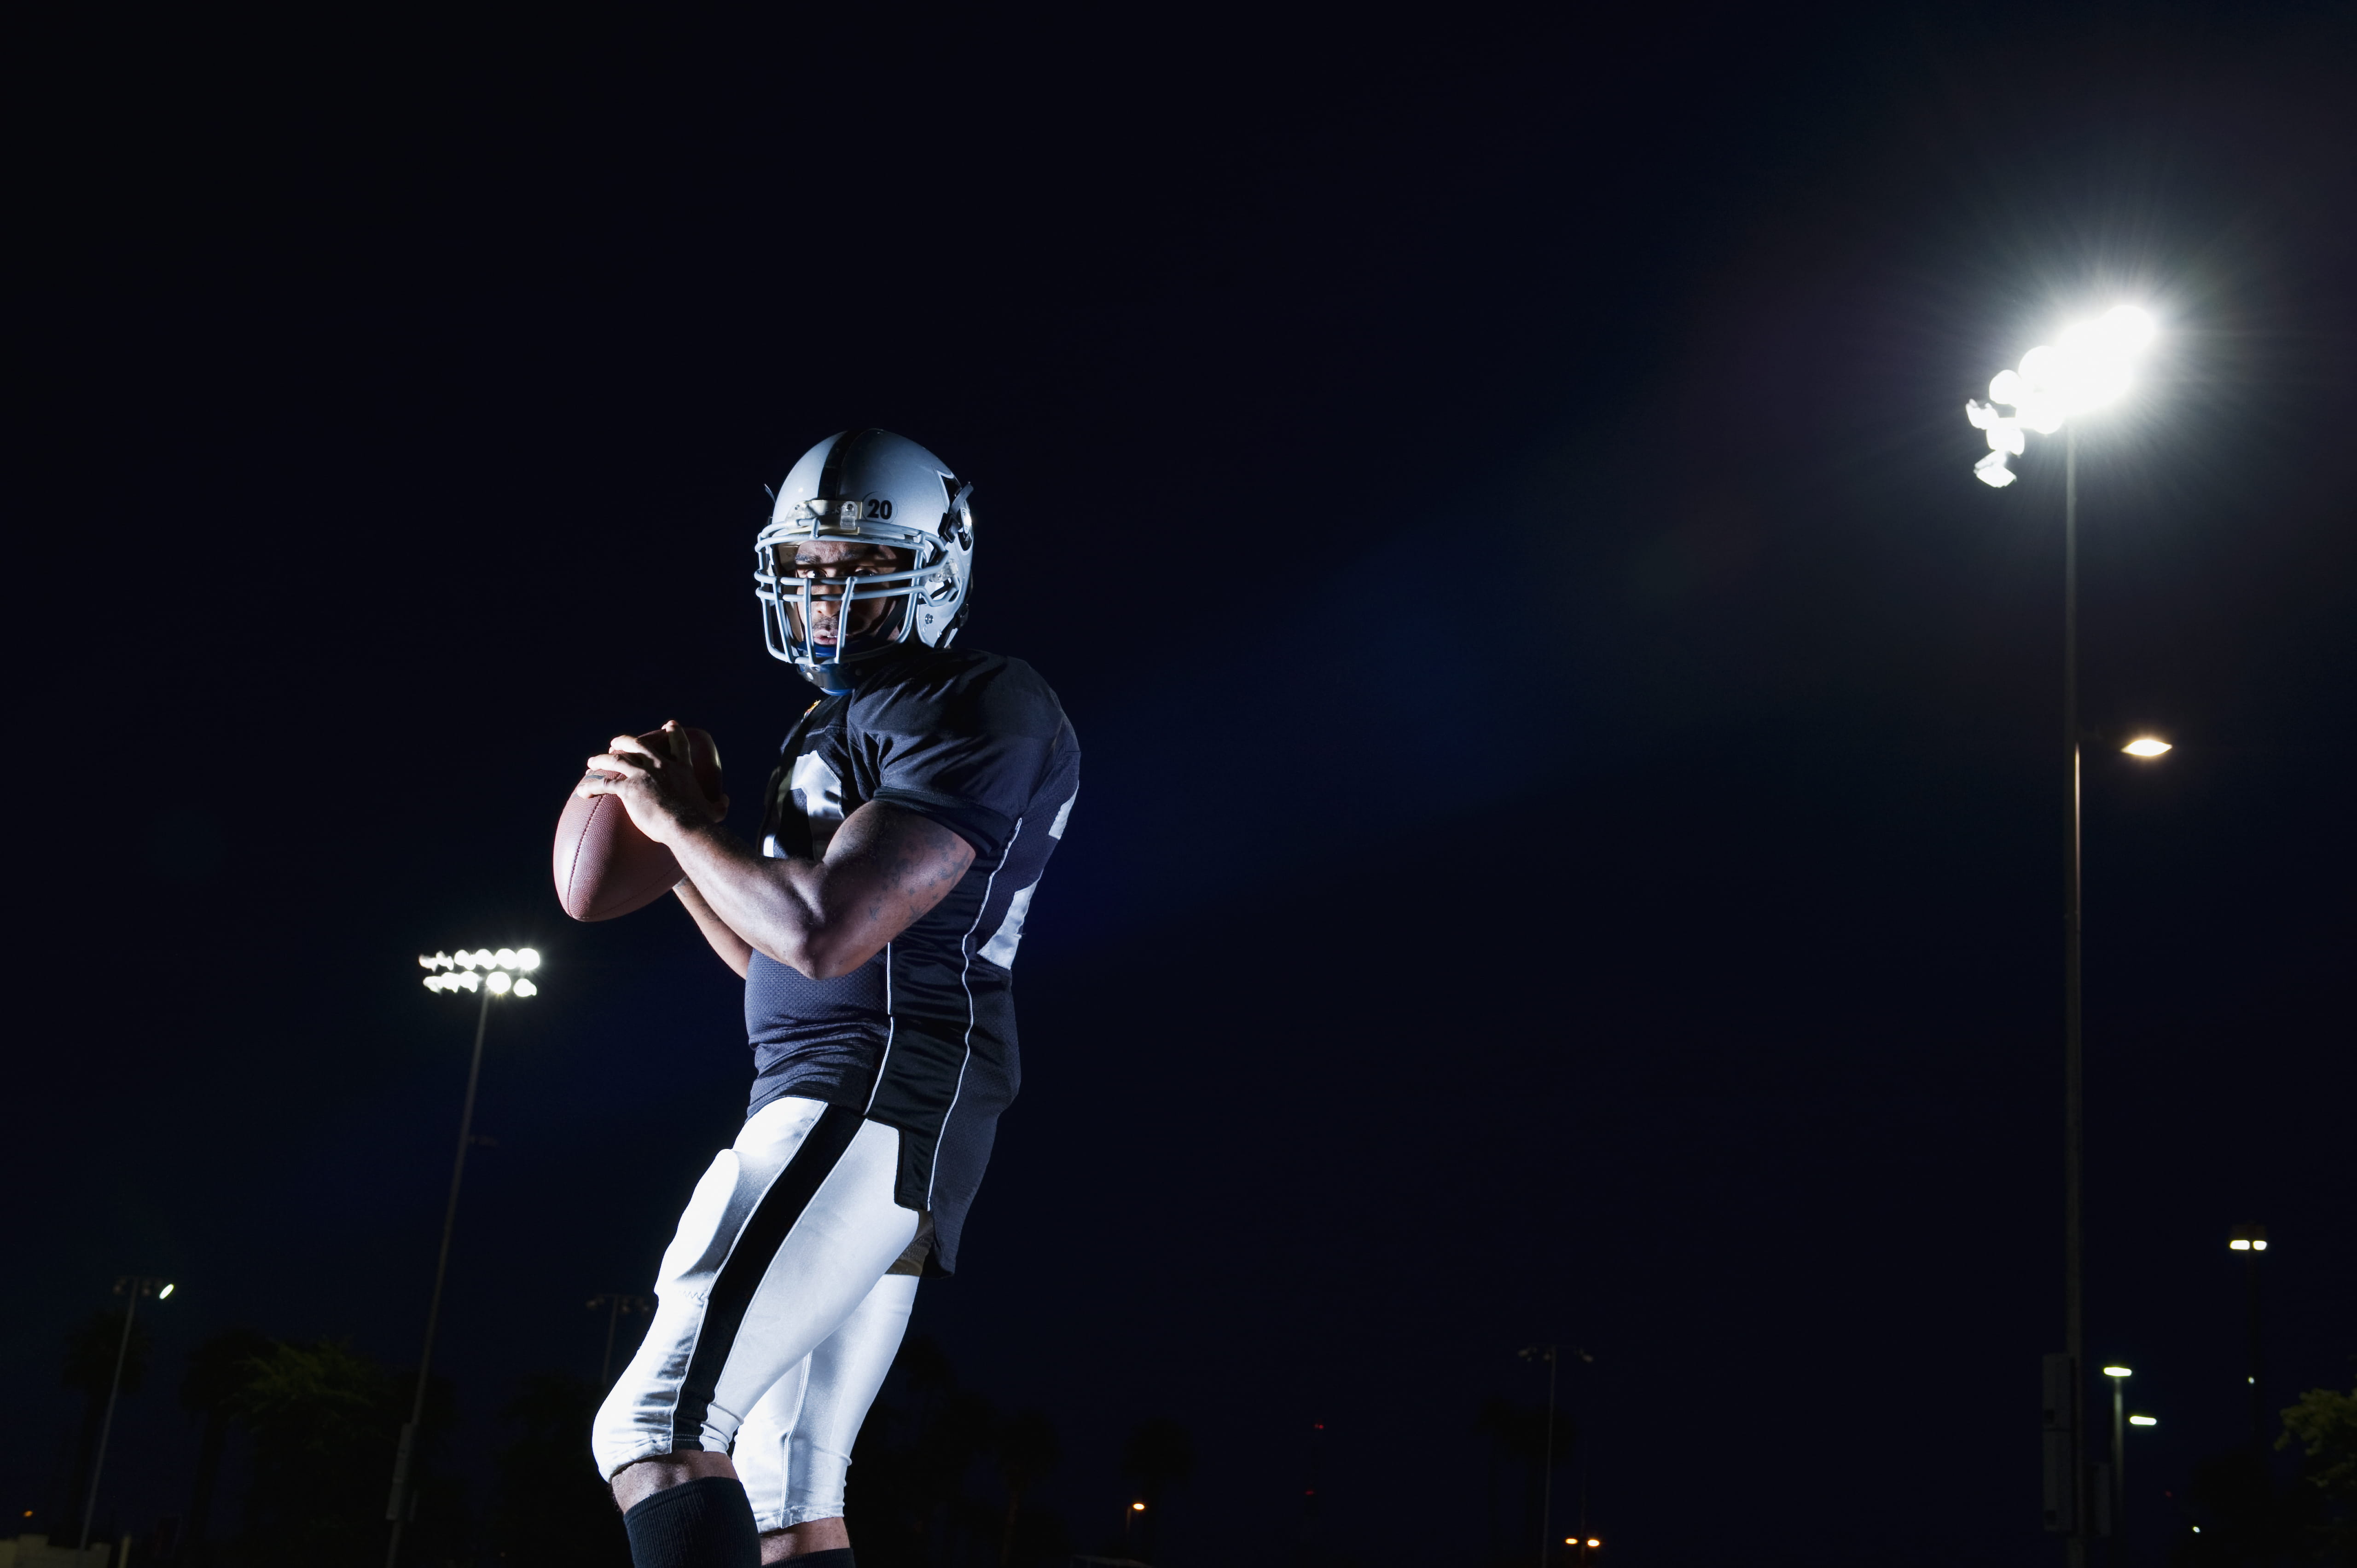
(604, 866)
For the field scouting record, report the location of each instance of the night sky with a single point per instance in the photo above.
(1571, 832)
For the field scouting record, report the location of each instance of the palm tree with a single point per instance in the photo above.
(218, 1371)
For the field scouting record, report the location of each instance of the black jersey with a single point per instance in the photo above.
(922, 1037)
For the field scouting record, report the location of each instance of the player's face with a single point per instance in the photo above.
(827, 562)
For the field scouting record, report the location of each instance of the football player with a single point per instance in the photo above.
(875, 924)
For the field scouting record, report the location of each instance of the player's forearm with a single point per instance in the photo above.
(734, 950)
(772, 904)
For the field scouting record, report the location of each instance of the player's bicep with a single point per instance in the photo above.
(886, 867)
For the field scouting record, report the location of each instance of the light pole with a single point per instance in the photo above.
(2120, 1424)
(1546, 1473)
(507, 973)
(1579, 1438)
(616, 1306)
(2089, 366)
(2252, 1240)
(132, 1287)
(2119, 1499)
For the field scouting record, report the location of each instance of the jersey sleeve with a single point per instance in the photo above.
(968, 757)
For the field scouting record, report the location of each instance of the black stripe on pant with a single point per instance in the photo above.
(748, 1260)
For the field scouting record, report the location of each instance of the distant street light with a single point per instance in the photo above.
(2144, 1421)
(131, 1286)
(2089, 366)
(2149, 746)
(2251, 1241)
(502, 973)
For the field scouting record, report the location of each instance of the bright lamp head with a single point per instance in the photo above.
(2091, 364)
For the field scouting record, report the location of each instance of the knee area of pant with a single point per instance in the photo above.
(617, 1442)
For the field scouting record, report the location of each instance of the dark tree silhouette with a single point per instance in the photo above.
(553, 1511)
(921, 1447)
(89, 1352)
(325, 1420)
(1028, 1452)
(2323, 1426)
(218, 1370)
(2245, 1519)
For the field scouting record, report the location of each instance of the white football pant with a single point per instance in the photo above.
(775, 1319)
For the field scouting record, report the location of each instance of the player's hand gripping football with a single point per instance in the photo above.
(656, 784)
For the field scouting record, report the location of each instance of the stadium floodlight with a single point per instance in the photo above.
(2091, 364)
(2149, 746)
(492, 974)
(482, 971)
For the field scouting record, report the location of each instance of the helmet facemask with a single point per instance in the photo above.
(869, 488)
(791, 594)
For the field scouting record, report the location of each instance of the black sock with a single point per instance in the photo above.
(834, 1557)
(703, 1523)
